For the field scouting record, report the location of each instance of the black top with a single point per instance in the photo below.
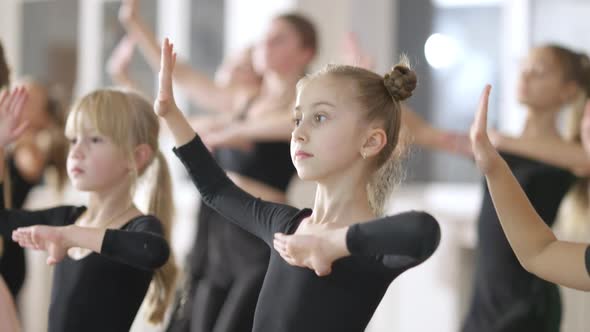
(267, 162)
(502, 285)
(12, 260)
(294, 298)
(100, 292)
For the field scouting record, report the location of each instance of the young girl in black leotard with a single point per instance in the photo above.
(329, 266)
(505, 296)
(249, 130)
(108, 253)
(533, 242)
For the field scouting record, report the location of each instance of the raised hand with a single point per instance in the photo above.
(354, 54)
(313, 251)
(47, 238)
(485, 154)
(128, 11)
(11, 108)
(456, 143)
(118, 63)
(165, 101)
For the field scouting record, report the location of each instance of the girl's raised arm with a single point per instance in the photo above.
(533, 242)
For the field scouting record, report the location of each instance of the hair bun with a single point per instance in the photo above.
(400, 82)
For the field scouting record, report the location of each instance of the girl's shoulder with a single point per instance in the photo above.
(144, 222)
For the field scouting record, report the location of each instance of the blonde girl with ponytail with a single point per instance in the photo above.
(108, 253)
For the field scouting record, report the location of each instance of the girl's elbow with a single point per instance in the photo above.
(158, 257)
(432, 234)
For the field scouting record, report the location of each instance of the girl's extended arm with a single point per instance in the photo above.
(533, 242)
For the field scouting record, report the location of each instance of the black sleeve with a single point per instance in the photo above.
(258, 217)
(140, 244)
(19, 187)
(13, 219)
(402, 240)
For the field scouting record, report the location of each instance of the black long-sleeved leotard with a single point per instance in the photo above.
(505, 296)
(12, 260)
(100, 292)
(294, 298)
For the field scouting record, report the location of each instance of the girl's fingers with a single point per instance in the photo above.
(14, 99)
(290, 260)
(51, 261)
(481, 118)
(19, 130)
(3, 97)
(279, 245)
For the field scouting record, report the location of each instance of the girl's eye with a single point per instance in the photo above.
(297, 122)
(320, 118)
(73, 141)
(96, 139)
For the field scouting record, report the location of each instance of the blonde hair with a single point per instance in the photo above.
(129, 120)
(575, 67)
(381, 97)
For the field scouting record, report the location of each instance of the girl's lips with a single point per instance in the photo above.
(302, 155)
(76, 171)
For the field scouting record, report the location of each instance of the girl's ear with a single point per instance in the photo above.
(569, 91)
(375, 141)
(143, 153)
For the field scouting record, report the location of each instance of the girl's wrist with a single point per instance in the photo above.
(335, 243)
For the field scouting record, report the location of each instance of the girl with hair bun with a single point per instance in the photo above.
(330, 265)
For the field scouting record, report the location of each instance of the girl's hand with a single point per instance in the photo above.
(11, 108)
(313, 251)
(455, 143)
(354, 54)
(47, 238)
(485, 154)
(128, 11)
(118, 63)
(165, 101)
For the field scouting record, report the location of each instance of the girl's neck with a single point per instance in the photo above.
(108, 205)
(541, 124)
(342, 201)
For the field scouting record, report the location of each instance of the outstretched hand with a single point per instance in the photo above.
(485, 154)
(165, 101)
(11, 108)
(118, 63)
(354, 54)
(317, 251)
(127, 11)
(40, 237)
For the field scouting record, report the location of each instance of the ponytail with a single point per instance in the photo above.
(161, 205)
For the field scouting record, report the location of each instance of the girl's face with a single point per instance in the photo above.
(281, 50)
(541, 83)
(94, 162)
(329, 129)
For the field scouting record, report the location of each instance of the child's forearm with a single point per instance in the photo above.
(179, 126)
(83, 237)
